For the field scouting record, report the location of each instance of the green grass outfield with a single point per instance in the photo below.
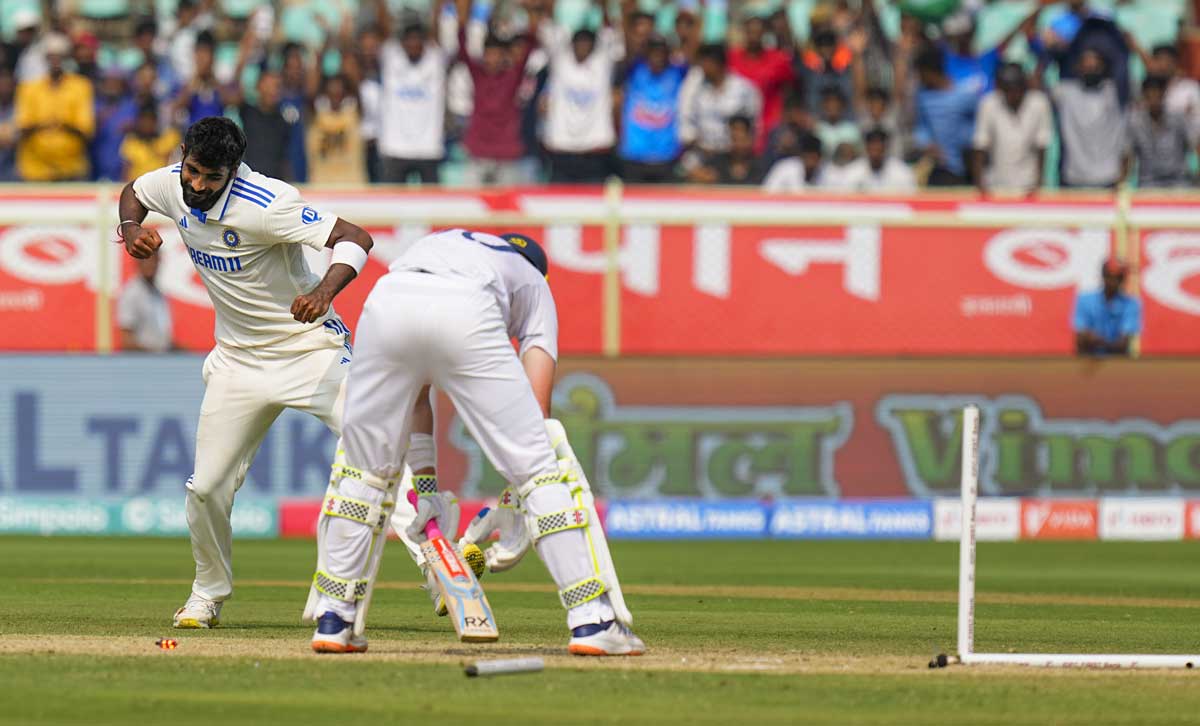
(777, 632)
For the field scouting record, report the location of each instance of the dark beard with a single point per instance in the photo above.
(200, 201)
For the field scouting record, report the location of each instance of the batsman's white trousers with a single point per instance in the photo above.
(245, 391)
(419, 329)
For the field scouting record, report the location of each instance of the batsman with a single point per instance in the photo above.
(445, 315)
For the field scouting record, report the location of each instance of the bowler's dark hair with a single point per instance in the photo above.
(215, 142)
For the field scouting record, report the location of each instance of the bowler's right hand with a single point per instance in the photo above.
(143, 243)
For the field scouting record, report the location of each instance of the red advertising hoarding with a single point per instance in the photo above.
(701, 273)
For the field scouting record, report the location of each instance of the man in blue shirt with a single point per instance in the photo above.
(945, 120)
(649, 145)
(1106, 320)
(966, 68)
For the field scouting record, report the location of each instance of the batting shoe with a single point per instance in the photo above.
(609, 638)
(335, 635)
(198, 612)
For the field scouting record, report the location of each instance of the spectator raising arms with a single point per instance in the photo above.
(1092, 125)
(579, 132)
(493, 137)
(412, 105)
(1013, 129)
(55, 119)
(649, 119)
(945, 121)
(769, 69)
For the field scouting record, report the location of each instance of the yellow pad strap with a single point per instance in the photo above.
(581, 592)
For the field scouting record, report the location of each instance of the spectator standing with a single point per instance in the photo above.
(114, 116)
(298, 89)
(970, 70)
(8, 125)
(797, 171)
(202, 94)
(878, 170)
(56, 120)
(835, 128)
(84, 48)
(579, 133)
(143, 313)
(147, 146)
(826, 64)
(493, 136)
(1183, 93)
(945, 121)
(264, 122)
(796, 122)
(769, 69)
(876, 112)
(1013, 128)
(711, 99)
(412, 102)
(1158, 141)
(1105, 321)
(737, 166)
(145, 39)
(335, 148)
(370, 90)
(27, 51)
(649, 147)
(1091, 123)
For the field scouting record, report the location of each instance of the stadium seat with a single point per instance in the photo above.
(103, 9)
(239, 9)
(9, 8)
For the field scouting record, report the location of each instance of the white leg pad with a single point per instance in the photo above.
(581, 495)
(559, 531)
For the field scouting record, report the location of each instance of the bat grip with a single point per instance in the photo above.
(432, 530)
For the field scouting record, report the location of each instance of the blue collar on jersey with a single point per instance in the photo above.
(223, 200)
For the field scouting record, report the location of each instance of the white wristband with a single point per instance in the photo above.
(349, 253)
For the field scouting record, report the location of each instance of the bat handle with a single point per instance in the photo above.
(432, 530)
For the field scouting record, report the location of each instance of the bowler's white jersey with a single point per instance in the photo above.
(523, 295)
(245, 251)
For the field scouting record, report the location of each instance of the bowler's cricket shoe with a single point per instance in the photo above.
(335, 635)
(198, 612)
(610, 638)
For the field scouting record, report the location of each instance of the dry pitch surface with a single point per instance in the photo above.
(777, 632)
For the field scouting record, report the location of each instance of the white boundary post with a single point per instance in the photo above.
(966, 549)
(966, 589)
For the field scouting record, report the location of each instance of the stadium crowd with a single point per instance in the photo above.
(511, 93)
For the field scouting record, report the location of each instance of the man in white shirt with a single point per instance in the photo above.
(1013, 128)
(143, 313)
(475, 294)
(412, 103)
(877, 170)
(709, 98)
(579, 132)
(279, 344)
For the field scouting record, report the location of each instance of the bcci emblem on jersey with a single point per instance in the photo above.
(231, 238)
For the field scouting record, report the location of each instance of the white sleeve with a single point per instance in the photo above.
(688, 121)
(1044, 135)
(535, 319)
(983, 125)
(786, 175)
(291, 220)
(155, 189)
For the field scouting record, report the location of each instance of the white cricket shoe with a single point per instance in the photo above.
(610, 638)
(198, 612)
(335, 635)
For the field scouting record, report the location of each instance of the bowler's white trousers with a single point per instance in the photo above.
(245, 391)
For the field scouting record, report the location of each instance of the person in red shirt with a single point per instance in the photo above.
(493, 137)
(769, 69)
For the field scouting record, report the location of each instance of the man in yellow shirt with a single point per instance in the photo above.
(55, 120)
(146, 148)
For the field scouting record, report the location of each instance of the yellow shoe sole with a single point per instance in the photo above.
(194, 624)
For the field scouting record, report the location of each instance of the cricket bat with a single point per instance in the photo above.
(468, 606)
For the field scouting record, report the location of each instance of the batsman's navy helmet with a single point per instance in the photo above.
(530, 249)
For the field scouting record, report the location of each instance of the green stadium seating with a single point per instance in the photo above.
(9, 8)
(104, 9)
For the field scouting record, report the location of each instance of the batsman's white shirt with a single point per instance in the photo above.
(246, 250)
